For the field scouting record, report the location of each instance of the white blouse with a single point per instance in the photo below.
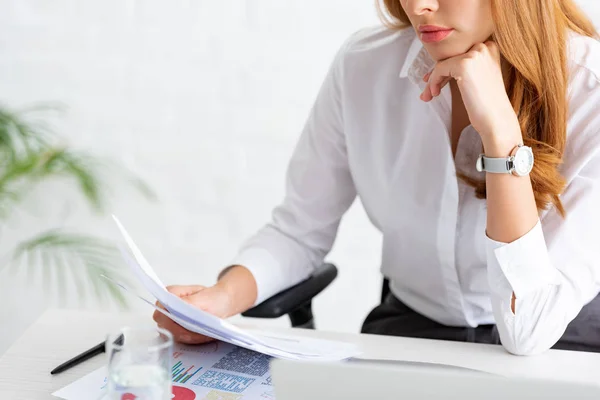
(369, 135)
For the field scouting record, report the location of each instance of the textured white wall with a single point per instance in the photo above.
(202, 98)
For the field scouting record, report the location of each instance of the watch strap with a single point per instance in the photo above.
(497, 165)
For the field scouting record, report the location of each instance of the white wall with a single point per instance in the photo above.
(202, 98)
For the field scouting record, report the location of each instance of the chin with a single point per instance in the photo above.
(440, 52)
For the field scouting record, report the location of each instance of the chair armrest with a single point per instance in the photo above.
(291, 299)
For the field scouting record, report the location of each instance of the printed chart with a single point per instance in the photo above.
(214, 371)
(182, 373)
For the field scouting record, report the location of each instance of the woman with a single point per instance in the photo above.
(488, 249)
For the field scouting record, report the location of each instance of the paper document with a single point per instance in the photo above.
(199, 321)
(212, 371)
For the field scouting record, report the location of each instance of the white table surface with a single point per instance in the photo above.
(60, 334)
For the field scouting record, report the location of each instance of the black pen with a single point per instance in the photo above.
(86, 355)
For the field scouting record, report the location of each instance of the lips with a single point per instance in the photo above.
(433, 33)
(433, 28)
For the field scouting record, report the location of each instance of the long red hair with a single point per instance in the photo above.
(531, 35)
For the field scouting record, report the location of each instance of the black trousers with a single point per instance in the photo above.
(392, 317)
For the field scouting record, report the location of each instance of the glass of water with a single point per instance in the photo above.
(139, 364)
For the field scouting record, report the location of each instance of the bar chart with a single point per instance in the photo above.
(182, 373)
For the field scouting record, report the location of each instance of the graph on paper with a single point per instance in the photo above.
(213, 371)
(182, 373)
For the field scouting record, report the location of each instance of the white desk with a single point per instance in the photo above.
(60, 335)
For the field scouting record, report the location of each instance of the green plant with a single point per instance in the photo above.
(30, 155)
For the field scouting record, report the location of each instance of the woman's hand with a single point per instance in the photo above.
(214, 300)
(478, 74)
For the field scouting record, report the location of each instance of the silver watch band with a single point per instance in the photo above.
(497, 165)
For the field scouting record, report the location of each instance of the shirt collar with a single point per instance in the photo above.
(418, 62)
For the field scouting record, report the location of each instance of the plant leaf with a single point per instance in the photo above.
(29, 154)
(143, 188)
(18, 136)
(85, 257)
(83, 168)
(20, 176)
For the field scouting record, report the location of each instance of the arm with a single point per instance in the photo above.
(512, 211)
(543, 271)
(319, 190)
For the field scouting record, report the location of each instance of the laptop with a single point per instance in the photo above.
(397, 380)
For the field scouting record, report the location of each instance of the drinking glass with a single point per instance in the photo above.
(139, 364)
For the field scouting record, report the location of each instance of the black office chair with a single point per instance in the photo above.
(296, 301)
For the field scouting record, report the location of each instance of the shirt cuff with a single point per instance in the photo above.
(264, 269)
(525, 262)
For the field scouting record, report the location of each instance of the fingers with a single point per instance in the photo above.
(180, 334)
(436, 79)
(444, 83)
(159, 317)
(443, 72)
(185, 290)
(434, 86)
(489, 46)
(493, 49)
(458, 67)
(187, 293)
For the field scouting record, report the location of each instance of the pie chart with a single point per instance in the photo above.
(179, 393)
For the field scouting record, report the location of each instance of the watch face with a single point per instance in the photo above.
(523, 161)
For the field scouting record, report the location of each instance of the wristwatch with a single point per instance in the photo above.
(520, 162)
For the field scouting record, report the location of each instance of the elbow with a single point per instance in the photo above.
(536, 324)
(525, 347)
(523, 339)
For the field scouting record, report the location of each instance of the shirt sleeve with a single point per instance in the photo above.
(554, 269)
(319, 190)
